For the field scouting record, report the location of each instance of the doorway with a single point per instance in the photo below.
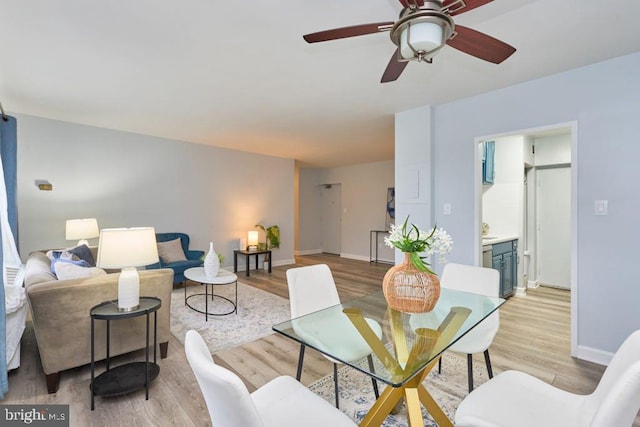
(557, 171)
(331, 218)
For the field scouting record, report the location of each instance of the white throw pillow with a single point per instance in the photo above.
(66, 270)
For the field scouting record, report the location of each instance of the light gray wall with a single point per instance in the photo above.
(127, 180)
(414, 181)
(364, 197)
(603, 99)
(309, 211)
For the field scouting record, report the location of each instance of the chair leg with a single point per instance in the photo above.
(300, 359)
(440, 365)
(335, 381)
(470, 371)
(373, 380)
(488, 363)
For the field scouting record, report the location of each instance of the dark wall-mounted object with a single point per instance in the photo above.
(488, 161)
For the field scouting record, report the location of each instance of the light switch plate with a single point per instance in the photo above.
(446, 209)
(601, 207)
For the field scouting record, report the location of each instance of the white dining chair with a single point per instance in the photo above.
(282, 402)
(515, 398)
(477, 280)
(312, 288)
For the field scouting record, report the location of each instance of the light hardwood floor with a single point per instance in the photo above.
(534, 337)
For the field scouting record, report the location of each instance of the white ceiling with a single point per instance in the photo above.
(239, 75)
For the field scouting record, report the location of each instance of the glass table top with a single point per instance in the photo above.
(402, 344)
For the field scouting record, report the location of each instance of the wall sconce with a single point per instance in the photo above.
(44, 185)
(252, 240)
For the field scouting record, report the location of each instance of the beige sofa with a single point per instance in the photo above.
(61, 321)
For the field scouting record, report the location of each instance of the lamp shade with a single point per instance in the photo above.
(420, 37)
(79, 229)
(127, 247)
(252, 238)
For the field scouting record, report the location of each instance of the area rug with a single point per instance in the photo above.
(448, 389)
(258, 311)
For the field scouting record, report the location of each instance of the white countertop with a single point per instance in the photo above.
(492, 240)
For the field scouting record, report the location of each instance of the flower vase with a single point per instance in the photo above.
(211, 263)
(410, 290)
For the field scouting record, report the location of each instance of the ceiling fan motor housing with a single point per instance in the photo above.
(421, 32)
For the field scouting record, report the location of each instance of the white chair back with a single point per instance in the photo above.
(311, 288)
(228, 400)
(616, 400)
(468, 278)
(508, 399)
(477, 280)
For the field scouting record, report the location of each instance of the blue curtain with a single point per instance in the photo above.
(8, 152)
(9, 155)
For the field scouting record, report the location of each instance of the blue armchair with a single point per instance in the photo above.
(178, 267)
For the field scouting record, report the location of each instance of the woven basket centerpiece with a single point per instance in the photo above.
(410, 290)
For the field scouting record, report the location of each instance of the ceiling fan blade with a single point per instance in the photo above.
(344, 32)
(394, 69)
(480, 45)
(456, 7)
(409, 3)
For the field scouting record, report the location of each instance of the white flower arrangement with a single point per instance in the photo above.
(415, 241)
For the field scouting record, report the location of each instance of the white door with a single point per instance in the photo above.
(331, 218)
(554, 227)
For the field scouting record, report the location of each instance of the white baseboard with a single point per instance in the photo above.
(533, 284)
(243, 267)
(363, 258)
(594, 355)
(521, 291)
(353, 256)
(308, 252)
(282, 262)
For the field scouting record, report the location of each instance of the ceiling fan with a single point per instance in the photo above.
(423, 28)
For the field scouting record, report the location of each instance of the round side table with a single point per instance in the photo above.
(130, 376)
(224, 277)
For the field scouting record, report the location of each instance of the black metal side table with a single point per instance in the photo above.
(130, 376)
(248, 254)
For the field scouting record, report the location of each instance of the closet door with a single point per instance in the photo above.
(554, 226)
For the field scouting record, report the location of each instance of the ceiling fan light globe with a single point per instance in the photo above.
(420, 38)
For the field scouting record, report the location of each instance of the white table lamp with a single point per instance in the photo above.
(82, 229)
(127, 248)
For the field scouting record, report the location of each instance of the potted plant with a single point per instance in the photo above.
(272, 240)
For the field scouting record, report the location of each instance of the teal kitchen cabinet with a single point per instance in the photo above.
(505, 260)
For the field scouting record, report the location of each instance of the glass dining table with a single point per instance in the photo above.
(404, 346)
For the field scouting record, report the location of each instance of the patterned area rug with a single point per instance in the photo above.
(448, 389)
(258, 311)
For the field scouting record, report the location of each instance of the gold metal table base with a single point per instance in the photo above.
(414, 394)
(428, 342)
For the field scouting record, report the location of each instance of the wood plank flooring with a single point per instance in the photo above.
(534, 337)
